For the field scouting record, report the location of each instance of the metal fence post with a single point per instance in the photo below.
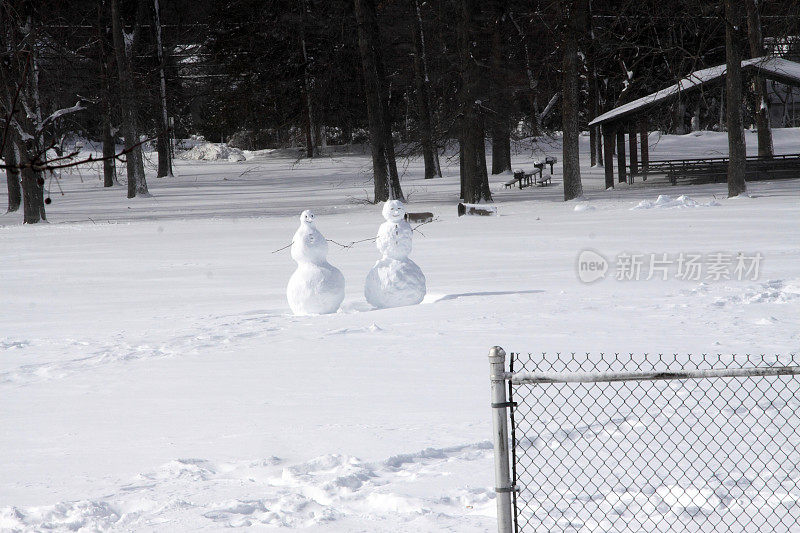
(503, 488)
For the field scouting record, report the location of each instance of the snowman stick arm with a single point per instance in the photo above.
(281, 249)
(416, 228)
(352, 243)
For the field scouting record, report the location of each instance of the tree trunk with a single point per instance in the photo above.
(429, 150)
(32, 180)
(498, 83)
(462, 172)
(25, 115)
(474, 177)
(756, 41)
(595, 159)
(387, 182)
(593, 105)
(164, 154)
(307, 82)
(319, 134)
(573, 188)
(137, 184)
(680, 117)
(105, 60)
(733, 89)
(11, 157)
(109, 150)
(33, 196)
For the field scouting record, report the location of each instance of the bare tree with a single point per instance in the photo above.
(137, 183)
(387, 182)
(737, 155)
(307, 84)
(756, 42)
(162, 140)
(500, 119)
(575, 13)
(105, 61)
(421, 81)
(11, 158)
(23, 114)
(474, 178)
(10, 152)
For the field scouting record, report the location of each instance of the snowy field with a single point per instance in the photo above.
(152, 377)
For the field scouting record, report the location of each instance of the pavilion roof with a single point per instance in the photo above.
(778, 69)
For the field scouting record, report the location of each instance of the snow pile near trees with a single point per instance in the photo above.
(208, 151)
(665, 201)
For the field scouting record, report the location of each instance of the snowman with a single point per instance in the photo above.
(395, 280)
(316, 287)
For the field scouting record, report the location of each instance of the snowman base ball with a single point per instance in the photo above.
(315, 289)
(394, 283)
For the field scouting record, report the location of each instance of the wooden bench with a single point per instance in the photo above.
(513, 181)
(715, 169)
(543, 181)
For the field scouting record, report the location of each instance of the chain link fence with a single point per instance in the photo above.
(654, 442)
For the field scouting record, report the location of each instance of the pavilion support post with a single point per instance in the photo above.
(623, 178)
(599, 146)
(643, 140)
(634, 148)
(608, 154)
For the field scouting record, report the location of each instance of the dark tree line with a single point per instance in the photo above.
(407, 76)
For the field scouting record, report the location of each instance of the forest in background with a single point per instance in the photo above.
(407, 75)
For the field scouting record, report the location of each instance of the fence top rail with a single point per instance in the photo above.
(532, 378)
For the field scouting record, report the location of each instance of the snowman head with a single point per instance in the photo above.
(394, 211)
(307, 217)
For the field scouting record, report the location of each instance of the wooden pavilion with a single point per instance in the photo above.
(632, 118)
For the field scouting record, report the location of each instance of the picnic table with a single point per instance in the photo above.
(525, 179)
(522, 179)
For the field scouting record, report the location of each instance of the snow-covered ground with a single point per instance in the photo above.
(153, 378)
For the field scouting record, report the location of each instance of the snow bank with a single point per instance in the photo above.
(667, 202)
(207, 151)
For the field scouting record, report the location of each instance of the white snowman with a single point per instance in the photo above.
(316, 287)
(395, 280)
